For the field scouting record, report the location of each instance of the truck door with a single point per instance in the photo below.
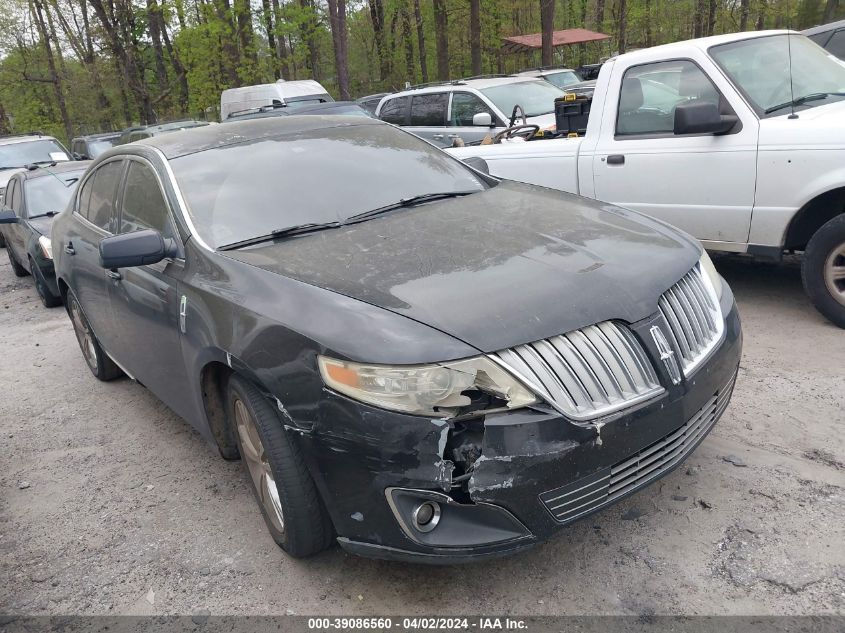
(701, 183)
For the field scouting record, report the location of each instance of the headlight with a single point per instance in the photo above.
(710, 272)
(46, 246)
(435, 390)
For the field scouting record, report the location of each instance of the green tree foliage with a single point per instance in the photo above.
(118, 62)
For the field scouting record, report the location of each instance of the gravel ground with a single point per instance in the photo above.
(110, 504)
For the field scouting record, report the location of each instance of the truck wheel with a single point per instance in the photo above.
(283, 487)
(823, 270)
(47, 297)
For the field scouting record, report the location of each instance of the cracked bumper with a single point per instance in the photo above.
(536, 467)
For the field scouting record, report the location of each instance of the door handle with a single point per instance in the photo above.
(616, 159)
(114, 275)
(69, 249)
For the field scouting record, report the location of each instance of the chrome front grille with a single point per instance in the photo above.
(609, 484)
(691, 310)
(586, 373)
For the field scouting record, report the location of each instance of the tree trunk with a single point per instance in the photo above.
(308, 31)
(698, 19)
(649, 37)
(408, 40)
(5, 128)
(245, 38)
(599, 19)
(475, 35)
(421, 41)
(711, 17)
(622, 25)
(181, 75)
(743, 15)
(761, 16)
(547, 25)
(377, 19)
(337, 21)
(38, 16)
(267, 15)
(281, 45)
(830, 8)
(441, 39)
(154, 23)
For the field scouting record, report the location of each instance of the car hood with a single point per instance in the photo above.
(819, 127)
(510, 265)
(42, 225)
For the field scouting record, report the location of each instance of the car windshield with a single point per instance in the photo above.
(95, 148)
(27, 152)
(536, 97)
(50, 192)
(250, 189)
(562, 79)
(760, 69)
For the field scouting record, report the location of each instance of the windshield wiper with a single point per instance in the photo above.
(407, 202)
(298, 229)
(46, 214)
(814, 96)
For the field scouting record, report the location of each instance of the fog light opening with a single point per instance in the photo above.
(426, 516)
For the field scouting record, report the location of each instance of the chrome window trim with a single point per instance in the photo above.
(180, 199)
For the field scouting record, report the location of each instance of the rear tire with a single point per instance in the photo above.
(103, 367)
(19, 270)
(2, 240)
(47, 297)
(283, 487)
(823, 270)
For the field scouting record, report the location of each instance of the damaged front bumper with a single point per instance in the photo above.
(505, 482)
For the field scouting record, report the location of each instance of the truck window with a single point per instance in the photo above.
(465, 105)
(429, 110)
(836, 45)
(651, 92)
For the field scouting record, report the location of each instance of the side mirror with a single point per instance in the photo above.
(701, 117)
(138, 248)
(7, 216)
(478, 163)
(482, 119)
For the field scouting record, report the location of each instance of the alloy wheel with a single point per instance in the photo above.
(259, 467)
(834, 273)
(83, 335)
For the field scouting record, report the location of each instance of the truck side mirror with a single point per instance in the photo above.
(702, 117)
(482, 119)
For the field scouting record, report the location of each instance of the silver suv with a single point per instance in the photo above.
(469, 109)
(19, 150)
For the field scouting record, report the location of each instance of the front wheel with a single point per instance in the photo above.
(282, 485)
(44, 293)
(19, 270)
(823, 270)
(103, 367)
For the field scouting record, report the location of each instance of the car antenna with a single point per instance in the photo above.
(792, 114)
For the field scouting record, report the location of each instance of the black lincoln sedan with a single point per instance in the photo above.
(411, 357)
(34, 196)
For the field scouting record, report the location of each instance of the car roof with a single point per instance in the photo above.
(200, 139)
(99, 135)
(24, 138)
(62, 167)
(540, 72)
(823, 28)
(457, 84)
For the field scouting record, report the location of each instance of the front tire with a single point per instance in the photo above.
(103, 367)
(19, 270)
(44, 293)
(823, 270)
(288, 498)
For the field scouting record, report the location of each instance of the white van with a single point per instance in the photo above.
(281, 93)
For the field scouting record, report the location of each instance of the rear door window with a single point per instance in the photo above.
(101, 210)
(144, 205)
(429, 110)
(395, 111)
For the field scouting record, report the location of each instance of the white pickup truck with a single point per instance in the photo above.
(737, 139)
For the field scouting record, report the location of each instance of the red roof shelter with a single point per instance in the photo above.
(527, 43)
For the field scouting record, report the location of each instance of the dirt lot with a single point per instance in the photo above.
(111, 504)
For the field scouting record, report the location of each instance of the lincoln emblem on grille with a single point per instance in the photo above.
(667, 354)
